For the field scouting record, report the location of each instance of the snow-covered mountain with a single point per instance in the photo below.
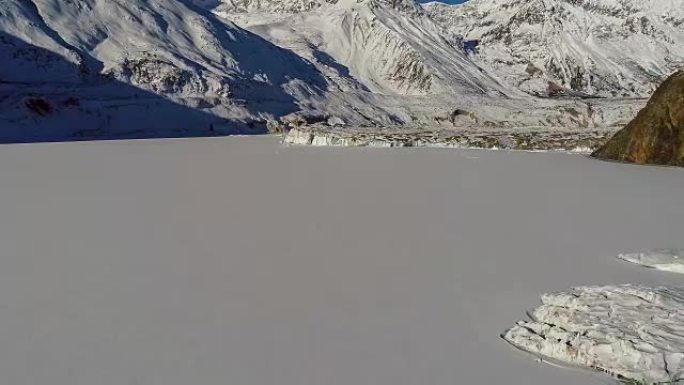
(105, 69)
(597, 47)
(168, 53)
(388, 46)
(390, 63)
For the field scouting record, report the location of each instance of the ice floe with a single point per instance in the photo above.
(662, 259)
(635, 333)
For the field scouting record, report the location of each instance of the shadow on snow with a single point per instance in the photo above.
(45, 97)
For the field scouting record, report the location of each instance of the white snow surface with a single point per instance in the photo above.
(598, 47)
(671, 260)
(633, 332)
(238, 261)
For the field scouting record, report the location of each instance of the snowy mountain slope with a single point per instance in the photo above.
(390, 64)
(31, 52)
(390, 47)
(110, 69)
(163, 49)
(598, 47)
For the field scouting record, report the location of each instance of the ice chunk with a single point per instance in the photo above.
(633, 332)
(661, 259)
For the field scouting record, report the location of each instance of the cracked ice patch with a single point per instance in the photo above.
(632, 332)
(662, 259)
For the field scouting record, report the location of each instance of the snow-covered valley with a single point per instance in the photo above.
(237, 260)
(204, 68)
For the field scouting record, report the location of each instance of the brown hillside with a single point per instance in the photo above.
(656, 135)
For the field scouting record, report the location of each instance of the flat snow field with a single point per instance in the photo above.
(238, 261)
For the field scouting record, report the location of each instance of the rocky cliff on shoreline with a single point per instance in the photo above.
(656, 135)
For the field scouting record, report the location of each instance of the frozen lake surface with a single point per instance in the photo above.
(237, 261)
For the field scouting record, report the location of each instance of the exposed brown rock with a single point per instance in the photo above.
(38, 106)
(656, 135)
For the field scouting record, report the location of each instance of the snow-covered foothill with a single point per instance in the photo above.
(671, 260)
(633, 332)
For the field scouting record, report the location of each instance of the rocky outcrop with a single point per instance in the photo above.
(656, 135)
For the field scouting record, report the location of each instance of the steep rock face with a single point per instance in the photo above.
(656, 135)
(592, 47)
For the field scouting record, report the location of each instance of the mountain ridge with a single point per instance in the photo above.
(172, 49)
(239, 67)
(596, 47)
